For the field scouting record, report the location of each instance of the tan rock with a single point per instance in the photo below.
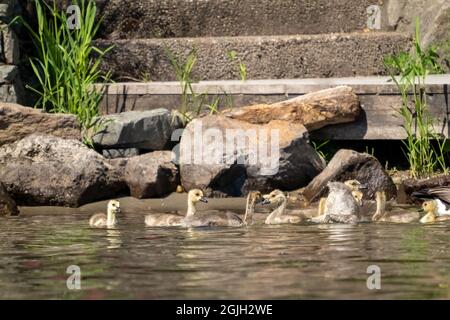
(151, 175)
(313, 110)
(17, 122)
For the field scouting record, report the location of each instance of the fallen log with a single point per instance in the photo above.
(314, 110)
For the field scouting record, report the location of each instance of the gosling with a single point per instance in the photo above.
(340, 206)
(213, 218)
(101, 220)
(432, 215)
(173, 220)
(278, 215)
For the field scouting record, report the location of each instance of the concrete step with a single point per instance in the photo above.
(265, 57)
(126, 19)
(379, 98)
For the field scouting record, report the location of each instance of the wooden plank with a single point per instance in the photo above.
(380, 101)
(361, 85)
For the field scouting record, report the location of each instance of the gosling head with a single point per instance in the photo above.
(275, 197)
(355, 185)
(430, 206)
(196, 196)
(114, 206)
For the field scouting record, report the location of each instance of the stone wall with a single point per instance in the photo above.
(11, 87)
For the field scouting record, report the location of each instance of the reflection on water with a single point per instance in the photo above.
(258, 262)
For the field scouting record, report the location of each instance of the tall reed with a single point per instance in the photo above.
(67, 64)
(409, 71)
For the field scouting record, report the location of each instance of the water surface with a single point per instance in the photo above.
(257, 262)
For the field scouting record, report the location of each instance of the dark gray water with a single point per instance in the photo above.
(258, 262)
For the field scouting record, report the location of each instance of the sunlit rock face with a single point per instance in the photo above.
(17, 122)
(145, 130)
(348, 165)
(313, 110)
(228, 157)
(47, 170)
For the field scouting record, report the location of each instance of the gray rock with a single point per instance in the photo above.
(347, 165)
(9, 45)
(151, 175)
(235, 171)
(11, 86)
(17, 122)
(120, 153)
(149, 130)
(8, 206)
(47, 170)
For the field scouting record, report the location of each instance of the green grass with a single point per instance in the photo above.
(67, 63)
(242, 67)
(409, 71)
(192, 104)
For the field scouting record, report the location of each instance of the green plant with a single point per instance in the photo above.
(191, 102)
(370, 151)
(413, 68)
(319, 147)
(65, 66)
(242, 67)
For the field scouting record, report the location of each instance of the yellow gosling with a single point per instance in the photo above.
(101, 220)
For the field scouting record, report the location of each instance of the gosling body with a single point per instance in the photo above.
(392, 216)
(341, 205)
(175, 220)
(432, 215)
(278, 215)
(223, 219)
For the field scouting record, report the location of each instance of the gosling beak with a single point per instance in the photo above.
(363, 186)
(421, 210)
(265, 201)
(204, 200)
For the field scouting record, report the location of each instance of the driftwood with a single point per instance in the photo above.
(411, 185)
(314, 110)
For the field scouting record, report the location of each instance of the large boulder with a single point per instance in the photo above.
(313, 110)
(47, 170)
(347, 165)
(147, 130)
(17, 122)
(8, 206)
(151, 175)
(229, 157)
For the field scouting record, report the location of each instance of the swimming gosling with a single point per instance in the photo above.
(224, 219)
(432, 215)
(278, 215)
(101, 220)
(172, 220)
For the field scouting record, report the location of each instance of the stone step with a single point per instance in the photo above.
(379, 98)
(265, 57)
(124, 19)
